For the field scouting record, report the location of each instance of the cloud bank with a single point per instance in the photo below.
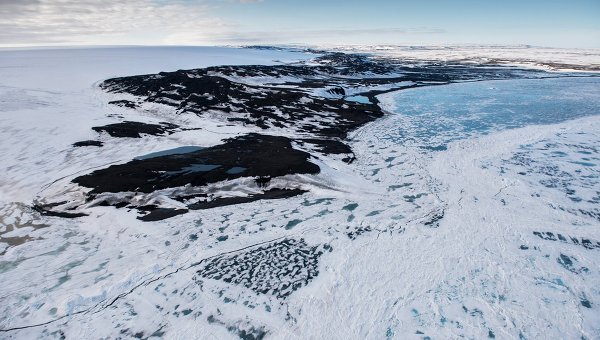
(156, 22)
(24, 22)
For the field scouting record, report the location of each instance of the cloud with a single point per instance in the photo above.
(25, 22)
(159, 22)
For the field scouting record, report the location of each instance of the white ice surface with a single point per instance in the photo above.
(560, 59)
(464, 277)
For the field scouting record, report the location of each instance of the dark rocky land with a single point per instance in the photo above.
(300, 106)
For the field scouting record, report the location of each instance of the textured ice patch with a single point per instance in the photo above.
(277, 269)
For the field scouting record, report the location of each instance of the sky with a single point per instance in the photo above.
(550, 23)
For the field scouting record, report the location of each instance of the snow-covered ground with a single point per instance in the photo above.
(445, 235)
(560, 59)
(49, 100)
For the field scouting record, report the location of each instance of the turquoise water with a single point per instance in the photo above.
(359, 99)
(175, 151)
(440, 114)
(236, 170)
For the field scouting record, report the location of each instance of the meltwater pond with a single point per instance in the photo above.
(434, 116)
(359, 99)
(174, 151)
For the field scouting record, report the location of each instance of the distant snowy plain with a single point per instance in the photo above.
(447, 224)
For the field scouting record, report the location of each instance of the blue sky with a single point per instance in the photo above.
(549, 22)
(572, 23)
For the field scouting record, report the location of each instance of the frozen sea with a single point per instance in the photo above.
(472, 210)
(442, 114)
